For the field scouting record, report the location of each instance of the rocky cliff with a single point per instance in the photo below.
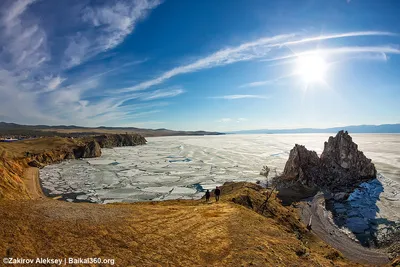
(15, 157)
(117, 140)
(341, 167)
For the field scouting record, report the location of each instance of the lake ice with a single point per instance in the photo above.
(183, 167)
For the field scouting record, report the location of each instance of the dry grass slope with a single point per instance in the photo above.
(171, 233)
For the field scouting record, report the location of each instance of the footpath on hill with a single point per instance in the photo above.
(32, 182)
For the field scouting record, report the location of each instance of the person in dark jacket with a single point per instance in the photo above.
(208, 194)
(217, 193)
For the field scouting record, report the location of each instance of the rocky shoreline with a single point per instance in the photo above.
(351, 187)
(88, 147)
(16, 157)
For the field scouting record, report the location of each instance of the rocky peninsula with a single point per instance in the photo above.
(349, 189)
(339, 170)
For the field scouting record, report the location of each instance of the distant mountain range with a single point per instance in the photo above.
(13, 129)
(384, 128)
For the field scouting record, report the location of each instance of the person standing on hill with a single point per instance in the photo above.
(208, 194)
(217, 193)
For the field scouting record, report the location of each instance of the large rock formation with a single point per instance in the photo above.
(345, 164)
(341, 167)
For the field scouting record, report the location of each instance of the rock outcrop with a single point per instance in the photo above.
(345, 164)
(90, 150)
(303, 166)
(341, 167)
(118, 140)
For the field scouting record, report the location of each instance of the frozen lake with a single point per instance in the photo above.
(182, 167)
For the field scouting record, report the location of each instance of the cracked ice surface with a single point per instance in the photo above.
(182, 167)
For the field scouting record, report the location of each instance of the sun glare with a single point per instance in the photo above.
(311, 68)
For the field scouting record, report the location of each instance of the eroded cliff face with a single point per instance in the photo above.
(341, 167)
(11, 184)
(117, 140)
(16, 157)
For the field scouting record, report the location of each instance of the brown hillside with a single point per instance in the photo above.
(174, 233)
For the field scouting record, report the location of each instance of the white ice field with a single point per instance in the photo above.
(182, 167)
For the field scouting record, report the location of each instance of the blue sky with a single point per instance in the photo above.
(200, 65)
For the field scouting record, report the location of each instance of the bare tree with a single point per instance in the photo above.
(265, 172)
(265, 203)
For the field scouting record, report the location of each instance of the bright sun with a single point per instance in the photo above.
(311, 68)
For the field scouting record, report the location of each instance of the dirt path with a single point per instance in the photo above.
(329, 232)
(31, 179)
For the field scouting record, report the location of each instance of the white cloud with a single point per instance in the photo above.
(230, 120)
(32, 90)
(16, 9)
(110, 25)
(247, 51)
(19, 105)
(162, 94)
(142, 124)
(387, 49)
(226, 56)
(255, 84)
(224, 120)
(23, 41)
(230, 97)
(77, 50)
(55, 82)
(266, 82)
